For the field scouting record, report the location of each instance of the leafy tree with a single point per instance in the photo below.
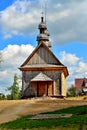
(2, 96)
(14, 89)
(71, 92)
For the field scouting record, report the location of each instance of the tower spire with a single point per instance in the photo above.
(42, 17)
(43, 33)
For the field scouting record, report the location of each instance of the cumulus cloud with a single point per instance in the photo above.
(13, 57)
(82, 68)
(66, 20)
(14, 54)
(76, 66)
(19, 19)
(69, 59)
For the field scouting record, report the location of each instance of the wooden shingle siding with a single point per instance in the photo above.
(42, 56)
(28, 76)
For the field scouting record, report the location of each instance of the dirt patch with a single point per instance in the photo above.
(11, 110)
(50, 116)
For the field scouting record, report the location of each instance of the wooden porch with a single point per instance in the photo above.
(42, 85)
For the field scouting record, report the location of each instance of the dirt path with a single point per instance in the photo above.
(10, 110)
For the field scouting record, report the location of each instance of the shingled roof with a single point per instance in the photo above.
(79, 83)
(41, 77)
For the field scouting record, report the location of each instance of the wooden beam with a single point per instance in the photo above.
(52, 89)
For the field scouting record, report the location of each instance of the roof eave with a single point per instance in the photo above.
(64, 69)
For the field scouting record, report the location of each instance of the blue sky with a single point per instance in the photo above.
(5, 3)
(66, 22)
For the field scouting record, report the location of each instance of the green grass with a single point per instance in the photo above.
(72, 110)
(77, 122)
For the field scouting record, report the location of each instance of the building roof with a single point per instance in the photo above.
(41, 77)
(57, 64)
(36, 49)
(79, 83)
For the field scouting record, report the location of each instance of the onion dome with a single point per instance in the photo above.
(42, 24)
(44, 34)
(42, 37)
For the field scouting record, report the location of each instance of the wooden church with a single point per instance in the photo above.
(42, 73)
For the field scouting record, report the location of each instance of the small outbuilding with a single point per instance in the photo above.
(81, 86)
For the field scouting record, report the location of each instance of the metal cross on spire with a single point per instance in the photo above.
(42, 13)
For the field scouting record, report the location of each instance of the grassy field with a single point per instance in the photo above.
(78, 121)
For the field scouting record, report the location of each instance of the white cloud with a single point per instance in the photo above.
(66, 20)
(13, 57)
(82, 69)
(76, 67)
(68, 23)
(18, 19)
(69, 59)
(16, 52)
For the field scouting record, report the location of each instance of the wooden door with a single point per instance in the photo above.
(42, 89)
